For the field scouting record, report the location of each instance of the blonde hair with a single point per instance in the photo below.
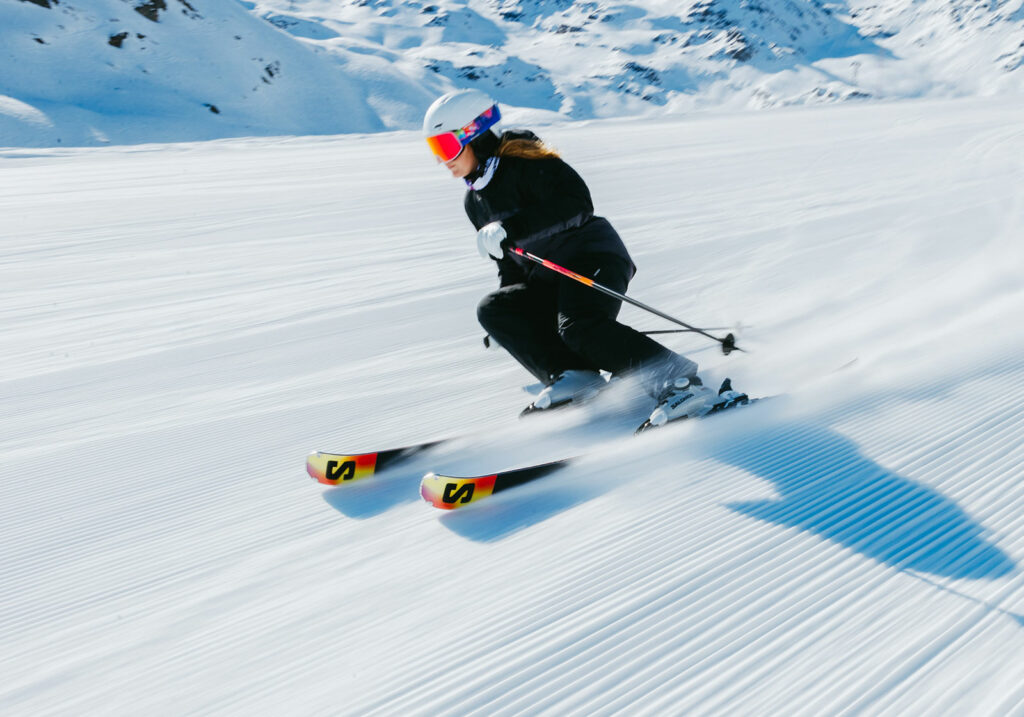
(527, 149)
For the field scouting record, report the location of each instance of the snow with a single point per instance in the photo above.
(183, 323)
(104, 73)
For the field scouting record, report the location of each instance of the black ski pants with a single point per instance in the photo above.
(552, 326)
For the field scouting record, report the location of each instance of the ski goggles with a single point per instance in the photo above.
(449, 145)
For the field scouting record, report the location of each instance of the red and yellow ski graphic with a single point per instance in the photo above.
(450, 492)
(338, 468)
(333, 469)
(446, 492)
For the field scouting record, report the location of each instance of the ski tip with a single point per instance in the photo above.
(312, 461)
(429, 489)
(333, 469)
(448, 493)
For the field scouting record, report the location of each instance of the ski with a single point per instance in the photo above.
(449, 492)
(443, 491)
(452, 492)
(337, 468)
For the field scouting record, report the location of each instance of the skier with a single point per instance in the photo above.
(521, 193)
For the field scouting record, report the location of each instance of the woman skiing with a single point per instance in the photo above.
(521, 193)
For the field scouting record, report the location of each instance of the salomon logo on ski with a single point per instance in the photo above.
(340, 471)
(332, 468)
(337, 468)
(454, 493)
(447, 492)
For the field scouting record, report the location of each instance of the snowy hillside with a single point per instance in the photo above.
(182, 324)
(124, 71)
(83, 73)
(601, 59)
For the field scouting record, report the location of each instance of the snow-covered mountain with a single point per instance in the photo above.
(99, 71)
(599, 59)
(73, 71)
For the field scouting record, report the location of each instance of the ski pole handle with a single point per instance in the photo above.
(728, 343)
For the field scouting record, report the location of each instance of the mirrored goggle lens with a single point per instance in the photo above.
(446, 146)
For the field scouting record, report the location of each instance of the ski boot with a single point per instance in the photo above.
(573, 386)
(688, 397)
(685, 397)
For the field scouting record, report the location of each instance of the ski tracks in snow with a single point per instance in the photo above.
(853, 547)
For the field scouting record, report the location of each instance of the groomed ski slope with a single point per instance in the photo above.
(182, 324)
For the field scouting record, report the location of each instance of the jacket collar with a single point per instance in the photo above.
(484, 177)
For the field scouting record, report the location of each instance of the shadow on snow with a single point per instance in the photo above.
(827, 487)
(370, 498)
(518, 509)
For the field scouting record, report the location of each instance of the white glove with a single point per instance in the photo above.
(489, 239)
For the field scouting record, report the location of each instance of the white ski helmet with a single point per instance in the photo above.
(456, 119)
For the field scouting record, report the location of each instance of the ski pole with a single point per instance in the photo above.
(728, 343)
(683, 331)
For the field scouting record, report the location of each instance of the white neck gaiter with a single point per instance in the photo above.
(485, 177)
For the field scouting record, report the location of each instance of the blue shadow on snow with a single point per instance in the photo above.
(370, 498)
(511, 512)
(827, 487)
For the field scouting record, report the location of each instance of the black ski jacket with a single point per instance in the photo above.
(545, 208)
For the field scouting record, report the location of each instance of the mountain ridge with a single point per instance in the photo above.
(127, 71)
